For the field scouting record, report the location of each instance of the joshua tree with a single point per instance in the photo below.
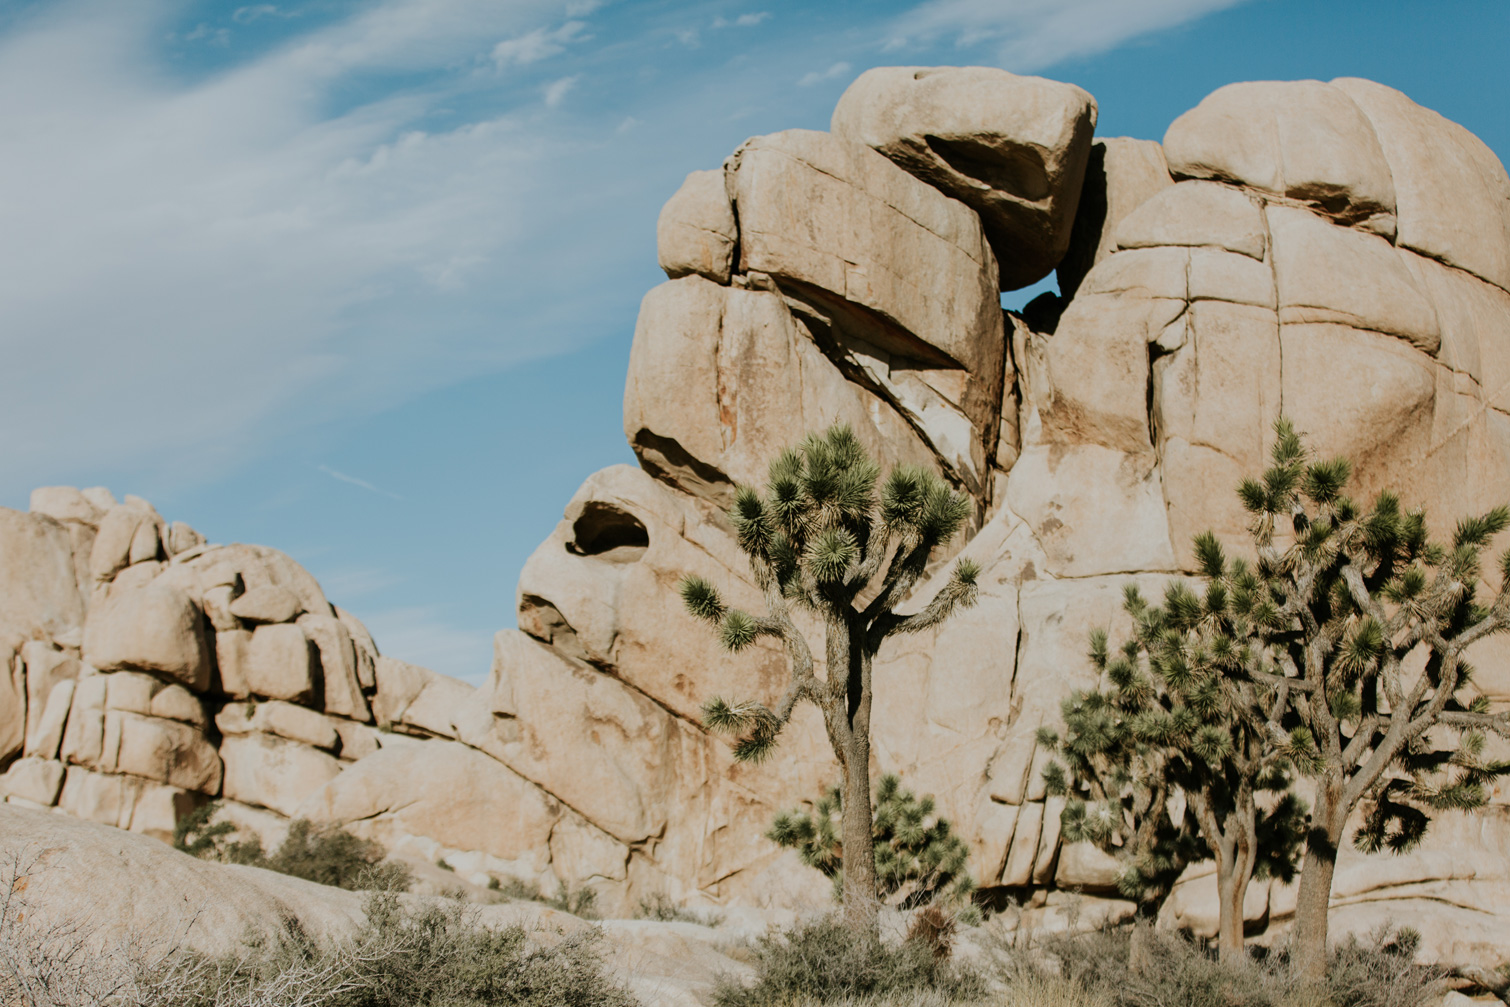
(1186, 711)
(1370, 619)
(917, 853)
(817, 540)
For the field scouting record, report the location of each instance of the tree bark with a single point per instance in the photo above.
(861, 908)
(1232, 891)
(1314, 899)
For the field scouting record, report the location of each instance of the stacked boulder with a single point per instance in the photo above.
(1331, 251)
(1289, 246)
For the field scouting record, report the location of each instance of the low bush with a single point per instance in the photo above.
(326, 855)
(823, 961)
(1378, 971)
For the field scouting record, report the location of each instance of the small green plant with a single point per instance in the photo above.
(919, 860)
(445, 866)
(326, 855)
(199, 835)
(660, 907)
(824, 960)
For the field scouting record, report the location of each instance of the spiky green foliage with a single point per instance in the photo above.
(826, 532)
(919, 858)
(1338, 654)
(1355, 590)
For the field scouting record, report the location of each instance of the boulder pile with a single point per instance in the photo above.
(1330, 250)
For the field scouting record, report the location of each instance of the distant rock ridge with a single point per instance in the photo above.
(1332, 250)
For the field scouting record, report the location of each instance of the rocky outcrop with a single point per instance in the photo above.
(1329, 250)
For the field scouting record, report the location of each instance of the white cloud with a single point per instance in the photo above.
(743, 21)
(203, 32)
(555, 92)
(537, 45)
(1029, 35)
(817, 77)
(201, 265)
(256, 12)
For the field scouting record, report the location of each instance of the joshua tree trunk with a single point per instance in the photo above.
(860, 907)
(849, 717)
(1234, 840)
(1313, 901)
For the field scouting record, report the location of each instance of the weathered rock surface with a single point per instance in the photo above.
(1304, 140)
(1329, 250)
(696, 232)
(156, 627)
(1014, 149)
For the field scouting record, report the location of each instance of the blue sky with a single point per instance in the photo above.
(358, 279)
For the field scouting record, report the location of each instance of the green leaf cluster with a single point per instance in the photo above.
(919, 858)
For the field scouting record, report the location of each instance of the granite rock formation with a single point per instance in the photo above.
(1332, 250)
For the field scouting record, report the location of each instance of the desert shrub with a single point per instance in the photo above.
(824, 961)
(332, 856)
(1179, 972)
(326, 855)
(199, 835)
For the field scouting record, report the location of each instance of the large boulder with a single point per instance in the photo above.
(696, 232)
(155, 627)
(1303, 140)
(444, 799)
(838, 217)
(1014, 149)
(272, 772)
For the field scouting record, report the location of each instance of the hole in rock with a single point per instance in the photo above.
(608, 532)
(1018, 171)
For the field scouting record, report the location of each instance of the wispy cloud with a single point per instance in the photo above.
(555, 92)
(359, 483)
(539, 44)
(819, 76)
(205, 33)
(743, 21)
(256, 12)
(1029, 35)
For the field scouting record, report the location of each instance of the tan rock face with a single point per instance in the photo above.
(742, 349)
(696, 233)
(840, 218)
(278, 664)
(1303, 139)
(275, 773)
(1451, 192)
(155, 628)
(1331, 252)
(39, 593)
(1014, 149)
